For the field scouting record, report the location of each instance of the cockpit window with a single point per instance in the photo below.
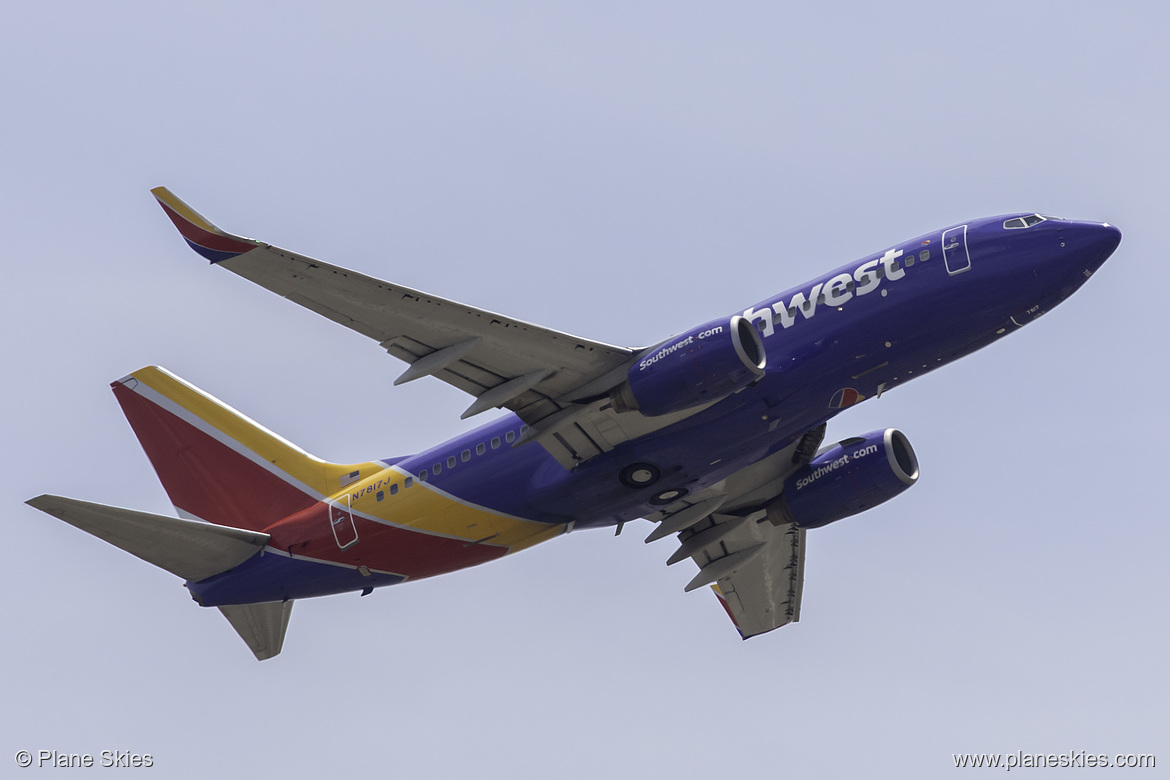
(1026, 222)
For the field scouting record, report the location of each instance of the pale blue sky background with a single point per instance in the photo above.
(620, 171)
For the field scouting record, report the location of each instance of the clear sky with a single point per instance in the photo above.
(620, 171)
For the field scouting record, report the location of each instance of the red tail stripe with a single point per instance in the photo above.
(205, 477)
(382, 547)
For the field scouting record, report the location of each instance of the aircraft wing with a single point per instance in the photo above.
(534, 371)
(764, 594)
(754, 565)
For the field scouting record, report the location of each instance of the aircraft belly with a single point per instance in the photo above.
(270, 576)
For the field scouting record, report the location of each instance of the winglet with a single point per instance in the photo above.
(726, 607)
(202, 236)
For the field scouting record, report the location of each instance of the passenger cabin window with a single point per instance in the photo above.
(480, 449)
(510, 436)
(495, 442)
(409, 481)
(465, 456)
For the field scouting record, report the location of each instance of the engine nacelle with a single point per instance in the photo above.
(705, 364)
(849, 477)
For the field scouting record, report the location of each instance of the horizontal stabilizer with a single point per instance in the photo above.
(187, 548)
(261, 626)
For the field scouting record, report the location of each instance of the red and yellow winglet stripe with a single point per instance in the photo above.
(726, 607)
(202, 236)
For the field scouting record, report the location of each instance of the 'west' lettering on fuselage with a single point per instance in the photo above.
(837, 291)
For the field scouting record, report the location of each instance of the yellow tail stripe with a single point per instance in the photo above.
(321, 476)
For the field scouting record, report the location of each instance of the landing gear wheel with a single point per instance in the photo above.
(639, 475)
(668, 496)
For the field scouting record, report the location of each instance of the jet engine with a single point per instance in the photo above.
(705, 364)
(851, 476)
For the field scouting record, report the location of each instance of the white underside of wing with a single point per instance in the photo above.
(554, 381)
(755, 568)
(411, 325)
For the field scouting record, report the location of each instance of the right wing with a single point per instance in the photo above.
(499, 360)
(556, 383)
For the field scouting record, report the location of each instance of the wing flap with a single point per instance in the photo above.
(765, 594)
(754, 567)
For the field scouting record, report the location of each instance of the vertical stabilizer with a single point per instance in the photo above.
(216, 464)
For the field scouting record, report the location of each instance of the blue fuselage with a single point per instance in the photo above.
(851, 334)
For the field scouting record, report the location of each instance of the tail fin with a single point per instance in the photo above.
(216, 464)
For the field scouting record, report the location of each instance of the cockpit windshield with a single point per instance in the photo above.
(1027, 222)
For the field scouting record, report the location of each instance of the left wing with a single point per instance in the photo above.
(764, 593)
(533, 371)
(753, 561)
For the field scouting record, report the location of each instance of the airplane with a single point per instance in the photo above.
(714, 435)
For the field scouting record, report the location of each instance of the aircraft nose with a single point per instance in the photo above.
(1105, 239)
(1099, 242)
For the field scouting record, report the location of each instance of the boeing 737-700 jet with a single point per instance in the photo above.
(714, 435)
